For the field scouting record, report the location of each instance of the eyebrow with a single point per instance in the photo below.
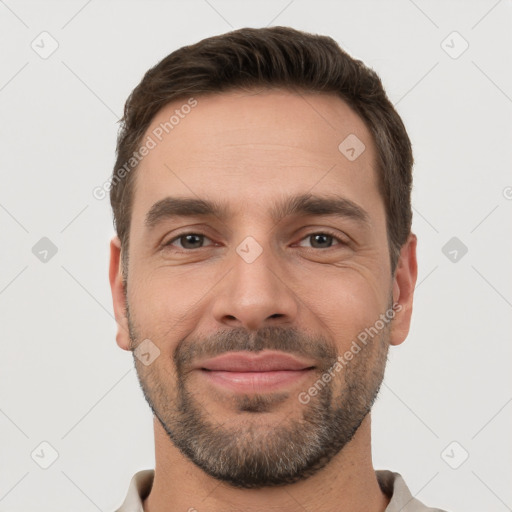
(298, 205)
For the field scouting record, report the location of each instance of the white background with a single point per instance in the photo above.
(62, 377)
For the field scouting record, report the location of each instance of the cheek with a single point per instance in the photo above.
(344, 303)
(165, 303)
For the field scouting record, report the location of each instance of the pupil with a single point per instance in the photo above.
(189, 240)
(322, 239)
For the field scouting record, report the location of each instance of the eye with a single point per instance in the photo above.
(188, 241)
(322, 240)
(191, 241)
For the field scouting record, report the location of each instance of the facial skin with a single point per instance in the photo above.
(197, 297)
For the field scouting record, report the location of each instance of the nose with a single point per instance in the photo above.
(256, 294)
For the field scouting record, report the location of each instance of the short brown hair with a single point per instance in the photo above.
(268, 58)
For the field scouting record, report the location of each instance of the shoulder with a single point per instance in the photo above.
(138, 490)
(402, 500)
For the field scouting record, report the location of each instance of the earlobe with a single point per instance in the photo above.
(118, 294)
(404, 283)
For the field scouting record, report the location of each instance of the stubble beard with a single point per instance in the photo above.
(252, 454)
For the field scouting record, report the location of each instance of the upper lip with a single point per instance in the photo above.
(244, 362)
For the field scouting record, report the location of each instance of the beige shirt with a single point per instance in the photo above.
(391, 483)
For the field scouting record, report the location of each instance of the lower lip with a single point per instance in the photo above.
(255, 381)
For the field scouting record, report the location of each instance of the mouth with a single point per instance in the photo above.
(255, 382)
(242, 372)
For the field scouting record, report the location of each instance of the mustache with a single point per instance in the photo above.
(289, 340)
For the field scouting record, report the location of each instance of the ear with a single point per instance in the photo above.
(404, 281)
(118, 296)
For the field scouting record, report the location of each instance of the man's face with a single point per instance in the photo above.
(273, 269)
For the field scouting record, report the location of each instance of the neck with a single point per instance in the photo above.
(347, 483)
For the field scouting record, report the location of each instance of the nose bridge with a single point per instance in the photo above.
(254, 294)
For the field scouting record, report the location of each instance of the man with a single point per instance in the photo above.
(264, 264)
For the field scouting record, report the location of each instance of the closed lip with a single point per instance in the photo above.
(268, 361)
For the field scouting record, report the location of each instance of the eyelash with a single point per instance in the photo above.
(323, 232)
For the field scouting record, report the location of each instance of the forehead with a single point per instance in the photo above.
(245, 146)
